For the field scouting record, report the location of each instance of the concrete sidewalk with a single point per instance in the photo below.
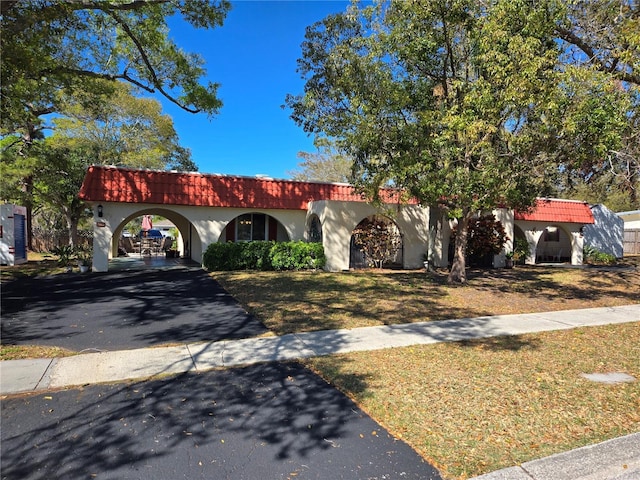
(617, 459)
(17, 376)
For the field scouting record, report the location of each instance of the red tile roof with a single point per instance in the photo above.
(558, 211)
(112, 184)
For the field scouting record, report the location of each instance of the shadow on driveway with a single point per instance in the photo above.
(266, 421)
(122, 310)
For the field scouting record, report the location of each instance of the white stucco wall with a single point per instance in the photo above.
(198, 226)
(338, 220)
(607, 234)
(572, 236)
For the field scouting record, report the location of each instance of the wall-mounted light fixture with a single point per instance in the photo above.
(100, 211)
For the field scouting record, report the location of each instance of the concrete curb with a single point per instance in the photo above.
(616, 459)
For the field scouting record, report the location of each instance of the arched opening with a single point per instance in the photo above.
(554, 246)
(376, 241)
(171, 236)
(254, 227)
(314, 229)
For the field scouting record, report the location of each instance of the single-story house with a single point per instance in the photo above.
(209, 208)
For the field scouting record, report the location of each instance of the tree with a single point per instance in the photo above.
(445, 100)
(602, 39)
(125, 131)
(55, 50)
(70, 45)
(486, 238)
(325, 165)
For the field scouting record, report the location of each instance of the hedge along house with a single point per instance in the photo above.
(218, 208)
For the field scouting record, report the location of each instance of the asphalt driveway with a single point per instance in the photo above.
(270, 421)
(267, 421)
(122, 310)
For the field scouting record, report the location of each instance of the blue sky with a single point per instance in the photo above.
(253, 56)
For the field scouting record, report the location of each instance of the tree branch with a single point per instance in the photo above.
(570, 37)
(154, 78)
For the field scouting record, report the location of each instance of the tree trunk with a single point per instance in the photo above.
(458, 273)
(72, 225)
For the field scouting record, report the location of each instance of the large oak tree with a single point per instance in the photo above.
(59, 52)
(453, 101)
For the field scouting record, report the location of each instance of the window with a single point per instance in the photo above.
(315, 230)
(251, 226)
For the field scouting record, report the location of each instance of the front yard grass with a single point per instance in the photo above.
(474, 407)
(469, 407)
(305, 301)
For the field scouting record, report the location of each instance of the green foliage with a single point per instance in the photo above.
(64, 253)
(596, 257)
(297, 256)
(223, 256)
(520, 250)
(468, 105)
(263, 255)
(378, 239)
(48, 47)
(443, 99)
(325, 165)
(120, 129)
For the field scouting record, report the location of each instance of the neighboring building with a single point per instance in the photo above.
(607, 233)
(13, 234)
(219, 208)
(631, 221)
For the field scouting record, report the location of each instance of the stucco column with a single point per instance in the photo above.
(577, 245)
(101, 243)
(532, 236)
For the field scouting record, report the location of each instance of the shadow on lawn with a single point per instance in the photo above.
(307, 301)
(512, 343)
(587, 283)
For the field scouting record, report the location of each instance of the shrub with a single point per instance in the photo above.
(222, 256)
(297, 256)
(520, 250)
(263, 255)
(65, 253)
(594, 256)
(486, 239)
(256, 255)
(378, 239)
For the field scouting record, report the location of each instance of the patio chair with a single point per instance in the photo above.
(166, 244)
(127, 244)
